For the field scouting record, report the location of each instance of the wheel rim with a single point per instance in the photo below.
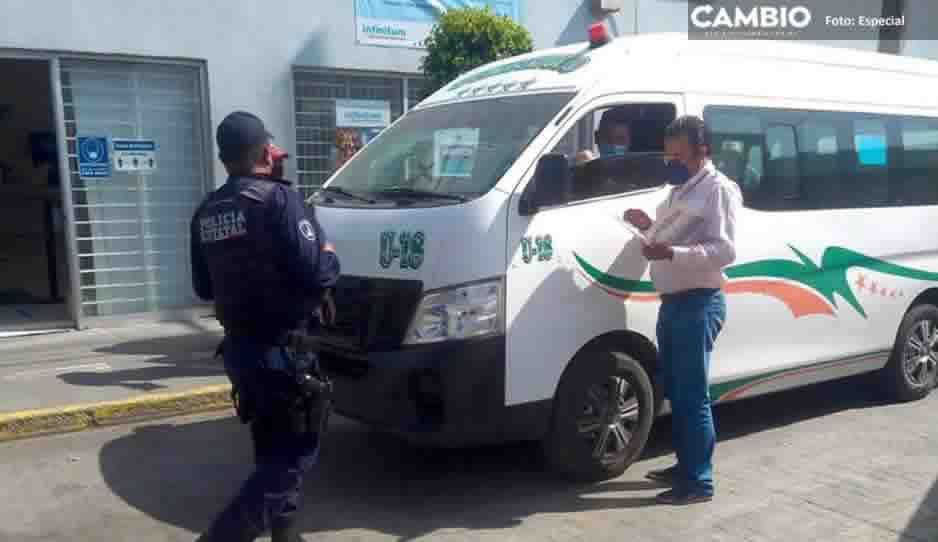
(920, 360)
(609, 418)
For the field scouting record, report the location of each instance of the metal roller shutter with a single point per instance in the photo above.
(131, 229)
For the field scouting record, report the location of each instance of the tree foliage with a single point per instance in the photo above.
(464, 39)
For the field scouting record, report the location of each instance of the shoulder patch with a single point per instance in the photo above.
(307, 230)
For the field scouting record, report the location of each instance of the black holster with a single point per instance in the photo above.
(298, 399)
(312, 404)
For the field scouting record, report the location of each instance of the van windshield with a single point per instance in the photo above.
(450, 153)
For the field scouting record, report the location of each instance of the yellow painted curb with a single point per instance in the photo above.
(31, 423)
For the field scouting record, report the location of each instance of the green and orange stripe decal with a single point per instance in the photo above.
(735, 389)
(803, 286)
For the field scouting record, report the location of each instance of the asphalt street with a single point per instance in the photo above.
(828, 463)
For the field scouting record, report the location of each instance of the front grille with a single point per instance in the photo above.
(372, 314)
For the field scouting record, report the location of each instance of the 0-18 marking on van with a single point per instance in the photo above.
(407, 247)
(541, 246)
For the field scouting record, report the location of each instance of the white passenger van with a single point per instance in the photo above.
(489, 292)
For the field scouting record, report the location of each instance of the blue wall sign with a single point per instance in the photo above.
(93, 159)
(134, 145)
(134, 155)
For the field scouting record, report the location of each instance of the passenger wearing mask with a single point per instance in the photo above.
(613, 138)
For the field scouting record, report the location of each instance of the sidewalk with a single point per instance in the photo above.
(168, 367)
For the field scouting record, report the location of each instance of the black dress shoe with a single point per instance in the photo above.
(665, 476)
(681, 498)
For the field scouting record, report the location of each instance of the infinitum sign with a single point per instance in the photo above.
(407, 23)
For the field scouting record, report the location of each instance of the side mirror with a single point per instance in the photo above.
(549, 186)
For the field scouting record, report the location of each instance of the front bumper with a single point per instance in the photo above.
(449, 394)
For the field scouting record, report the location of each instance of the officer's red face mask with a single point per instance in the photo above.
(272, 165)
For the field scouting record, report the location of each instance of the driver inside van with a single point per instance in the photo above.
(613, 137)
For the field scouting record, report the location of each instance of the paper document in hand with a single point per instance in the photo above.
(663, 229)
(632, 229)
(672, 220)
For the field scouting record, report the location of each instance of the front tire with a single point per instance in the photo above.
(602, 417)
(912, 370)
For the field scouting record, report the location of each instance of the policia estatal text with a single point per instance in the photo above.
(264, 260)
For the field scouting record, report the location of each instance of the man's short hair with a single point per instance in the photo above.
(691, 126)
(239, 136)
(610, 117)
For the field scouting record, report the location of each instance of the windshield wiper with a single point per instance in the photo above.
(421, 194)
(346, 193)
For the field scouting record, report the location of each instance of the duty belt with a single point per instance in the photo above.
(301, 342)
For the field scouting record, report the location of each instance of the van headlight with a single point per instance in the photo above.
(459, 313)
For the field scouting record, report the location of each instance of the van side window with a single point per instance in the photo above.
(616, 150)
(869, 182)
(577, 138)
(917, 177)
(782, 184)
(737, 148)
(810, 160)
(752, 175)
(819, 153)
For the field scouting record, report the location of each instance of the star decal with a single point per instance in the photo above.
(861, 282)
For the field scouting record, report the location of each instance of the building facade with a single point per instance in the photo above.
(108, 111)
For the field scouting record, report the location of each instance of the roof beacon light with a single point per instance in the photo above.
(599, 35)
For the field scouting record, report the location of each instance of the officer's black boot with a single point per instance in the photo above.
(285, 533)
(231, 526)
(242, 534)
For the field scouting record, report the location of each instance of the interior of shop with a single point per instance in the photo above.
(34, 285)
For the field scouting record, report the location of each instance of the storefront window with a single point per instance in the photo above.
(337, 114)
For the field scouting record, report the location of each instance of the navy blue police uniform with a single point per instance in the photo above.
(256, 251)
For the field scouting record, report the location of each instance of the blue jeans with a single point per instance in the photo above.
(270, 497)
(688, 325)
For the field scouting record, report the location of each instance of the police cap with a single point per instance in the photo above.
(238, 132)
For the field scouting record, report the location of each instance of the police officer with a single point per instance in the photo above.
(264, 260)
